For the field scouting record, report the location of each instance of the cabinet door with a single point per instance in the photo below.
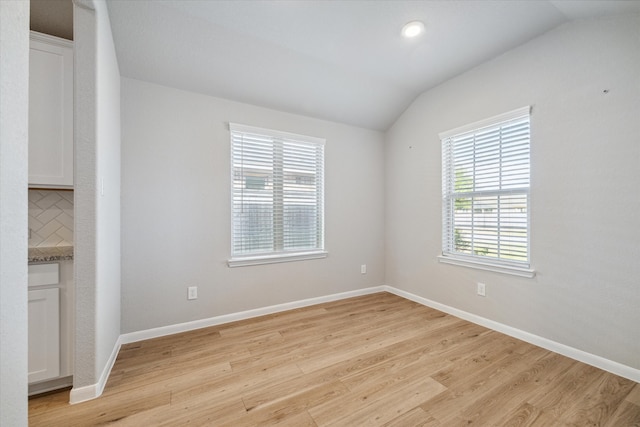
(44, 334)
(50, 112)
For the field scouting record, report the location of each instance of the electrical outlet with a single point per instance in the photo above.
(192, 292)
(363, 269)
(481, 289)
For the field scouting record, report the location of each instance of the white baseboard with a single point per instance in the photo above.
(233, 317)
(50, 385)
(590, 359)
(82, 394)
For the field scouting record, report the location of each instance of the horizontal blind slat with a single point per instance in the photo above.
(277, 192)
(485, 191)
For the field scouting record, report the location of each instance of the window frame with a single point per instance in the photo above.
(279, 254)
(482, 262)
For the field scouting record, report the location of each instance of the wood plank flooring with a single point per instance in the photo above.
(375, 360)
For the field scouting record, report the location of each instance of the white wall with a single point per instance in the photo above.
(108, 200)
(585, 195)
(97, 220)
(176, 210)
(14, 103)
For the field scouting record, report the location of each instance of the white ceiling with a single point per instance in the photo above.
(343, 61)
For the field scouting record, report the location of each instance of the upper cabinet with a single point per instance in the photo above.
(50, 112)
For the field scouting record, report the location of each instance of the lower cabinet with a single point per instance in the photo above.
(44, 334)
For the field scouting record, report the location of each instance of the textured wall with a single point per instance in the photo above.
(585, 151)
(97, 221)
(108, 201)
(14, 103)
(85, 189)
(176, 213)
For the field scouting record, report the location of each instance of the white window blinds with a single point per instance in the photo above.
(277, 192)
(485, 187)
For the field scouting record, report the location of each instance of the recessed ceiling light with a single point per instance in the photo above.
(412, 29)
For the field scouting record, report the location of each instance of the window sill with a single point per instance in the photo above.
(272, 259)
(505, 269)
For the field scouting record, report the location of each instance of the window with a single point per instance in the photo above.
(277, 193)
(485, 190)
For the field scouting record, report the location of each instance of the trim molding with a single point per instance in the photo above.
(233, 317)
(273, 259)
(489, 121)
(46, 38)
(496, 268)
(616, 368)
(82, 394)
(50, 385)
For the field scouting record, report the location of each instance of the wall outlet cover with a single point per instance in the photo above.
(481, 289)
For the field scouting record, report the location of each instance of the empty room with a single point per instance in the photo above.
(320, 213)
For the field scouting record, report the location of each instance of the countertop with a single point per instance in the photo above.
(47, 254)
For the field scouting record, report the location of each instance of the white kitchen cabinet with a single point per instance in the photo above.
(44, 334)
(50, 112)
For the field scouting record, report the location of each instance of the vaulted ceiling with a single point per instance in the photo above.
(342, 60)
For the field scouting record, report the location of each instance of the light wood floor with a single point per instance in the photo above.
(366, 361)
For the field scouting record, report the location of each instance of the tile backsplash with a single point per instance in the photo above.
(50, 218)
